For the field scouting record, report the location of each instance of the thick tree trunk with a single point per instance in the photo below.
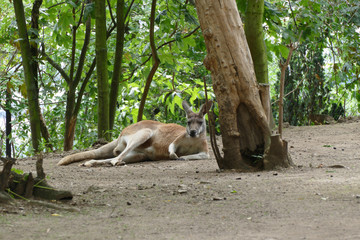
(30, 80)
(243, 121)
(102, 71)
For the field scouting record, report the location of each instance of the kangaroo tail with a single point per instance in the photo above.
(102, 152)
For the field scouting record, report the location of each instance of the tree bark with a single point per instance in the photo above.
(30, 79)
(118, 60)
(283, 66)
(156, 62)
(243, 122)
(35, 13)
(71, 105)
(101, 69)
(8, 126)
(255, 38)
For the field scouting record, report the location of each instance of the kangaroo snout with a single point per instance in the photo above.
(192, 133)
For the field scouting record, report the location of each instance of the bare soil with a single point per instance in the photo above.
(317, 199)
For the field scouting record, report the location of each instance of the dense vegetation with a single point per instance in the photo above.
(323, 76)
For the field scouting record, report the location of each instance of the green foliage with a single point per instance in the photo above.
(324, 72)
(181, 52)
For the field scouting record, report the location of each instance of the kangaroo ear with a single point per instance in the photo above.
(205, 107)
(186, 107)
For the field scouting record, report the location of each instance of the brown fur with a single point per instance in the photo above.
(151, 140)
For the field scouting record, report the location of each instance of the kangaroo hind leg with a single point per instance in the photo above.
(127, 154)
(132, 142)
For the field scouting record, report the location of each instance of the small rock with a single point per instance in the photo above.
(204, 182)
(183, 189)
(336, 166)
(140, 187)
(217, 198)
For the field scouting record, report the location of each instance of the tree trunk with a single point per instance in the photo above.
(69, 119)
(35, 13)
(120, 25)
(72, 108)
(8, 123)
(243, 121)
(255, 38)
(102, 71)
(156, 62)
(283, 66)
(30, 80)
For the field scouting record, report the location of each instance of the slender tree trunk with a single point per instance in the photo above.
(283, 66)
(69, 119)
(118, 60)
(255, 38)
(156, 62)
(30, 80)
(101, 69)
(72, 107)
(35, 13)
(8, 123)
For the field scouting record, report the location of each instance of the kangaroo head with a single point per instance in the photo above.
(196, 121)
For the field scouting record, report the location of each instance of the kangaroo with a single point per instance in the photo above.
(152, 140)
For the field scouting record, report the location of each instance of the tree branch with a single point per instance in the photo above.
(162, 45)
(111, 13)
(83, 53)
(57, 67)
(83, 86)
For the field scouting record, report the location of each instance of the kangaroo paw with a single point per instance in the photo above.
(88, 163)
(173, 156)
(117, 163)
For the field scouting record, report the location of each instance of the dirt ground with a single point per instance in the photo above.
(317, 199)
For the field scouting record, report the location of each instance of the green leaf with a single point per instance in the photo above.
(190, 18)
(18, 171)
(73, 4)
(284, 51)
(89, 11)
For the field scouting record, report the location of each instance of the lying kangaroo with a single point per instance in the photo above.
(151, 140)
